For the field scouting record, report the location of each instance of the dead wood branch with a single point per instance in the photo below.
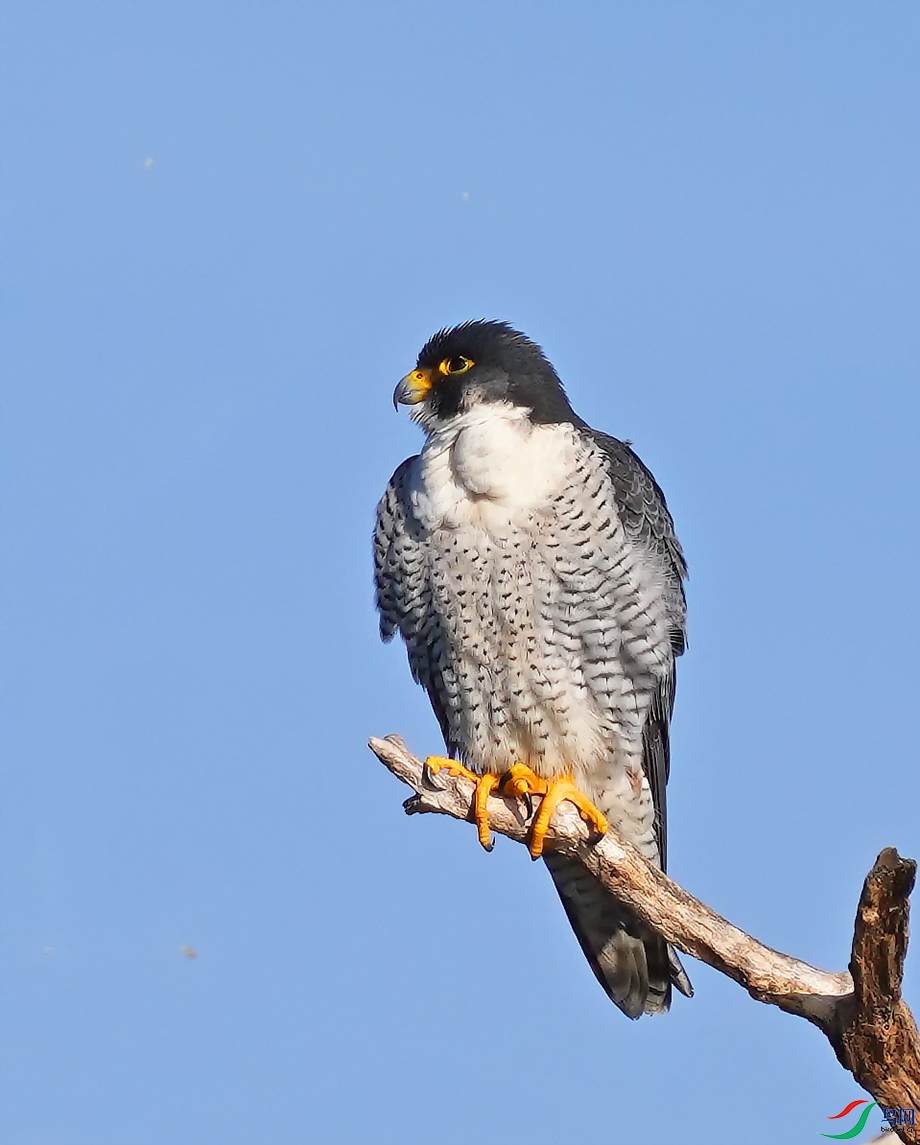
(861, 1011)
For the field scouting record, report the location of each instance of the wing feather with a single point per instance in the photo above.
(642, 508)
(403, 589)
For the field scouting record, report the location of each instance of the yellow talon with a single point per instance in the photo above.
(436, 763)
(558, 790)
(521, 782)
(485, 785)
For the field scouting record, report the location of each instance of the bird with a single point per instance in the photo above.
(530, 565)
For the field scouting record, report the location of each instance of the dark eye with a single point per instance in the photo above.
(457, 365)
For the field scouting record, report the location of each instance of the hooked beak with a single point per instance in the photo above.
(413, 388)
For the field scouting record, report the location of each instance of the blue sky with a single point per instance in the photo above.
(707, 214)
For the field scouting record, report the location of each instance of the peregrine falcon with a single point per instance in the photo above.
(529, 562)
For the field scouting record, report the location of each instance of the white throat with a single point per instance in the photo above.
(492, 466)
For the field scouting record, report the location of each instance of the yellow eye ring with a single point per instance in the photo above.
(457, 365)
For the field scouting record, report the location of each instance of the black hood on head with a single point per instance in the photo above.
(507, 366)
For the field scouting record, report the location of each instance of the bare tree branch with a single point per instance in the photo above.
(861, 1011)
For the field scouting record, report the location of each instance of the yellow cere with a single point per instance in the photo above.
(420, 383)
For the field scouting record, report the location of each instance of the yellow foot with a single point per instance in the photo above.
(436, 763)
(485, 785)
(523, 783)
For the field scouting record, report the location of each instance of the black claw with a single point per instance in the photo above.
(428, 778)
(528, 804)
(490, 846)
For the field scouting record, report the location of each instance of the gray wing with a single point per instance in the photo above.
(403, 589)
(644, 512)
(633, 964)
(400, 567)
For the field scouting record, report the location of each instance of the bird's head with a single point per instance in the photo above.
(482, 362)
